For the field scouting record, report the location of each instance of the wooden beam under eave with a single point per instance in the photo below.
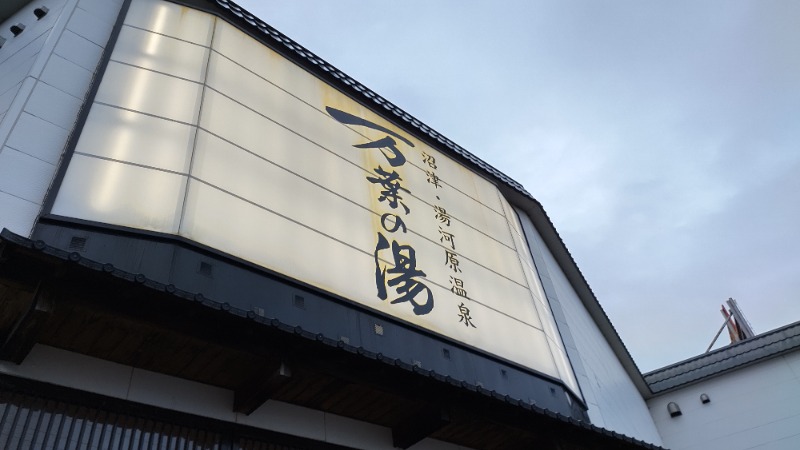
(19, 340)
(419, 425)
(261, 387)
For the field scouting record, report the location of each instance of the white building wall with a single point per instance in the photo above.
(756, 407)
(614, 402)
(45, 74)
(63, 368)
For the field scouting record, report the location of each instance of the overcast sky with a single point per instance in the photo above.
(662, 138)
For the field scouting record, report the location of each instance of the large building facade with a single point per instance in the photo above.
(213, 237)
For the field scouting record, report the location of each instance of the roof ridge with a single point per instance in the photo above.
(741, 344)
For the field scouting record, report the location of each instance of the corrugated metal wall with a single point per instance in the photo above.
(33, 423)
(28, 422)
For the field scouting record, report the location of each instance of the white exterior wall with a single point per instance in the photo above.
(45, 74)
(756, 407)
(614, 402)
(63, 368)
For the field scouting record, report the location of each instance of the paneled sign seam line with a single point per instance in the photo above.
(136, 111)
(195, 128)
(17, 196)
(348, 161)
(290, 171)
(131, 163)
(335, 193)
(193, 177)
(354, 247)
(156, 71)
(438, 244)
(164, 35)
(522, 268)
(28, 154)
(328, 117)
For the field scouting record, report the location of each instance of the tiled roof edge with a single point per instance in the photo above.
(109, 269)
(748, 351)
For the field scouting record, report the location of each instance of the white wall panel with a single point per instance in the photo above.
(150, 92)
(94, 24)
(73, 370)
(48, 69)
(261, 182)
(98, 189)
(137, 138)
(17, 214)
(265, 63)
(161, 53)
(79, 50)
(23, 175)
(177, 394)
(101, 9)
(280, 113)
(31, 40)
(292, 150)
(289, 150)
(17, 67)
(38, 138)
(12, 104)
(273, 112)
(55, 22)
(7, 97)
(613, 400)
(268, 83)
(67, 76)
(753, 407)
(306, 253)
(793, 361)
(53, 105)
(541, 303)
(171, 20)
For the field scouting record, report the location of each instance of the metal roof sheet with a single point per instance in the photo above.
(763, 346)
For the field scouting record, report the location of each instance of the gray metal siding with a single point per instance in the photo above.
(28, 422)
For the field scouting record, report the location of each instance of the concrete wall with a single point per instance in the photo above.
(756, 407)
(45, 74)
(77, 371)
(614, 402)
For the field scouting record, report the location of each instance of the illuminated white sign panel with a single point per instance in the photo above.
(199, 130)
